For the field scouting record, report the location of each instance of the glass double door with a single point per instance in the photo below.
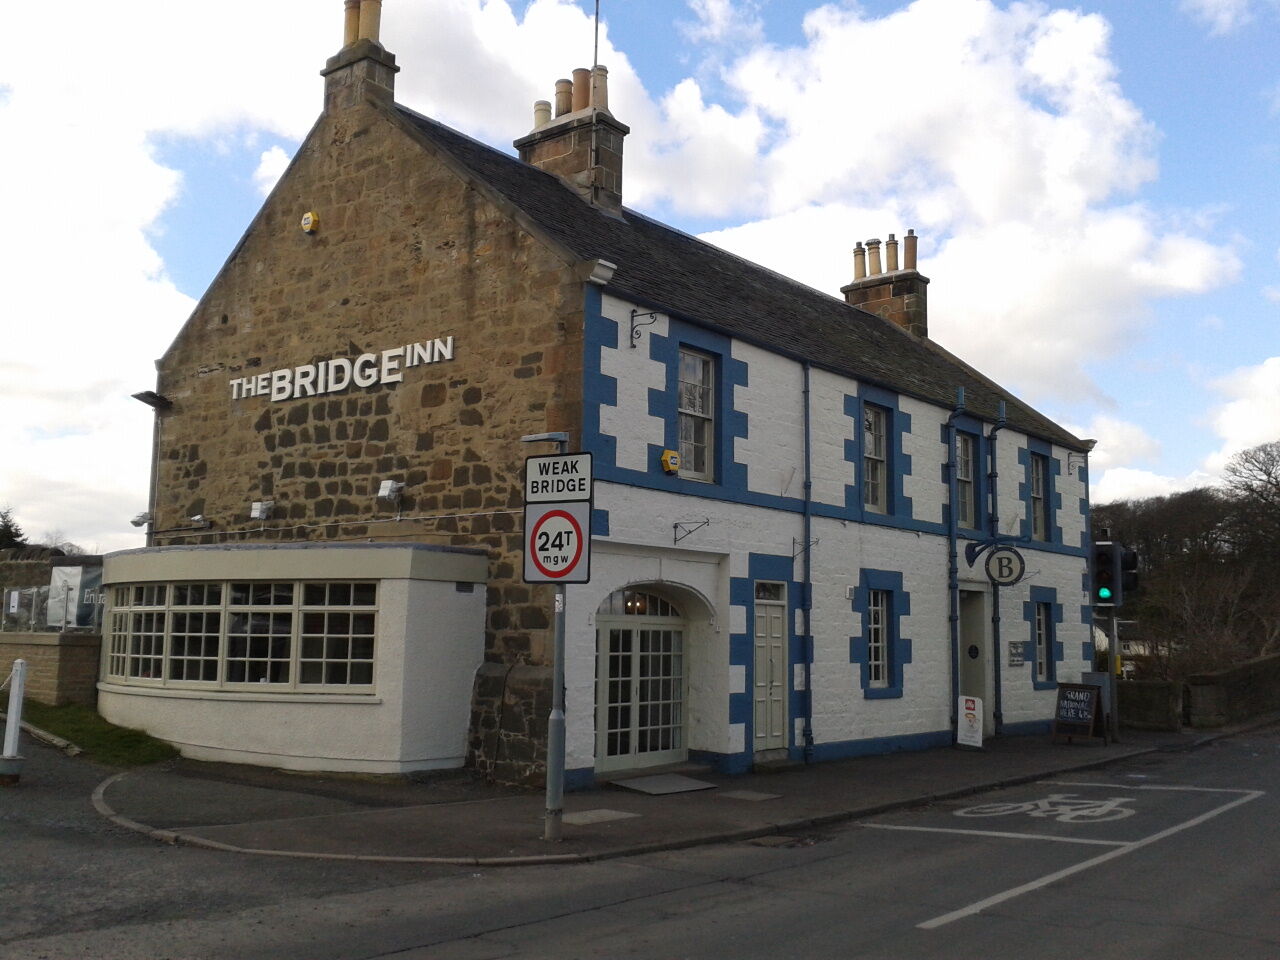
(640, 694)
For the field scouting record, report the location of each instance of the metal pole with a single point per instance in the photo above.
(595, 51)
(555, 724)
(1113, 657)
(13, 719)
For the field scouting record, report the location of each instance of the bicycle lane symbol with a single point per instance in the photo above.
(1063, 807)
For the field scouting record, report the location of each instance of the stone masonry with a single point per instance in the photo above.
(408, 250)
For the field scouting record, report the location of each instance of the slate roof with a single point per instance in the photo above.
(696, 281)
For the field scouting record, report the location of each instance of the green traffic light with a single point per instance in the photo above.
(1104, 593)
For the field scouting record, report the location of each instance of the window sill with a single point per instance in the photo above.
(243, 696)
(1044, 684)
(882, 693)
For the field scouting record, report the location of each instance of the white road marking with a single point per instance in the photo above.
(1143, 786)
(1057, 875)
(996, 833)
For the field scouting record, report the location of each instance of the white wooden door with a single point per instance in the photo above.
(771, 667)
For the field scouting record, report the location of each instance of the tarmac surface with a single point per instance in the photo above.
(454, 818)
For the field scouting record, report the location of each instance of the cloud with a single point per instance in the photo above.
(1005, 139)
(1120, 443)
(1251, 414)
(270, 168)
(1220, 16)
(95, 304)
(1015, 155)
(723, 21)
(1125, 483)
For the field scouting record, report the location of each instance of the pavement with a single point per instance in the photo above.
(454, 818)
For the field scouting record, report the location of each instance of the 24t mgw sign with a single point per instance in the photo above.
(557, 519)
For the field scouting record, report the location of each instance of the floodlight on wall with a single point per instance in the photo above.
(200, 521)
(390, 491)
(261, 509)
(153, 400)
(142, 519)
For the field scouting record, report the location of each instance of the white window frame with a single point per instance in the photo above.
(966, 488)
(1044, 641)
(702, 421)
(875, 458)
(348, 650)
(1039, 497)
(879, 609)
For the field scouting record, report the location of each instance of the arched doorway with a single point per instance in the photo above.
(640, 681)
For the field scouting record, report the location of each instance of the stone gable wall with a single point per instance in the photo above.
(407, 251)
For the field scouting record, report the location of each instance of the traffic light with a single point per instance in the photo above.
(1128, 571)
(1106, 575)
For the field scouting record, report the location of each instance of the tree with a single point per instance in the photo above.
(11, 534)
(1210, 566)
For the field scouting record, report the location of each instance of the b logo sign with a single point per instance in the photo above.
(1005, 566)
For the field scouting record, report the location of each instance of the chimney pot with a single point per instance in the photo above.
(581, 89)
(600, 88)
(370, 19)
(900, 296)
(541, 113)
(873, 258)
(564, 97)
(351, 23)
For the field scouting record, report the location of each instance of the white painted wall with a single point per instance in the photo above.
(924, 485)
(773, 450)
(443, 648)
(629, 421)
(830, 427)
(429, 643)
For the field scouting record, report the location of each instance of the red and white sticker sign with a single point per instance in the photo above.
(557, 542)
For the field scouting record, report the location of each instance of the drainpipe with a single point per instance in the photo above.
(994, 477)
(953, 561)
(807, 730)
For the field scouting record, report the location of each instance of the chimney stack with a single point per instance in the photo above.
(898, 294)
(582, 144)
(362, 68)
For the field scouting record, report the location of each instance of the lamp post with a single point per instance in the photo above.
(555, 723)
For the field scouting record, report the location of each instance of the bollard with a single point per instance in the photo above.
(10, 762)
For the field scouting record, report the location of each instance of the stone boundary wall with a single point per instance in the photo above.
(61, 667)
(1150, 704)
(1239, 693)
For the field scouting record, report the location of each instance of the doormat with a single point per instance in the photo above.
(584, 817)
(664, 783)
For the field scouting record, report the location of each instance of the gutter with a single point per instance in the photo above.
(994, 477)
(953, 562)
(807, 610)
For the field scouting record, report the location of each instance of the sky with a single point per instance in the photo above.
(1093, 186)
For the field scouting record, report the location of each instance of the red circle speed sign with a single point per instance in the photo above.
(555, 544)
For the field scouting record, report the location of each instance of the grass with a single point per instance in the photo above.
(100, 741)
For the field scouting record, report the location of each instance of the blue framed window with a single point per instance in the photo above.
(876, 421)
(1043, 613)
(1040, 498)
(880, 651)
(696, 412)
(968, 485)
(1038, 490)
(1042, 631)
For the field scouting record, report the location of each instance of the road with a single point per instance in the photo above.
(1171, 855)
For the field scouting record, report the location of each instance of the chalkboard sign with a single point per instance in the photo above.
(1077, 713)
